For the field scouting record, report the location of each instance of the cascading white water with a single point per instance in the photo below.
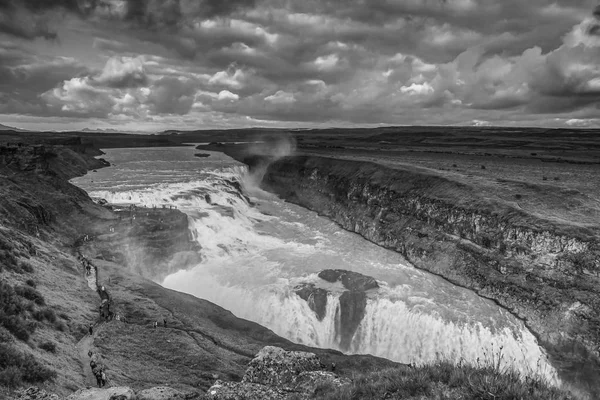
(255, 253)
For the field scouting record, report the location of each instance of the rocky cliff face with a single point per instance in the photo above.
(353, 300)
(543, 272)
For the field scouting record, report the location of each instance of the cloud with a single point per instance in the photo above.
(281, 97)
(16, 20)
(233, 78)
(29, 19)
(110, 45)
(227, 95)
(311, 62)
(78, 96)
(121, 72)
(171, 95)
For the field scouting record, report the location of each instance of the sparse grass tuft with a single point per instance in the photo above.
(46, 313)
(8, 260)
(60, 326)
(12, 313)
(30, 294)
(17, 368)
(11, 377)
(48, 346)
(26, 267)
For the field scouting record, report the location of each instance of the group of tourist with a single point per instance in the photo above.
(155, 324)
(97, 368)
(87, 264)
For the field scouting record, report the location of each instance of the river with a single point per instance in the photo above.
(257, 248)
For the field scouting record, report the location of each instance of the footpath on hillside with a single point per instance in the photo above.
(94, 370)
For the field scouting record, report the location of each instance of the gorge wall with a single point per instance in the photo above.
(543, 272)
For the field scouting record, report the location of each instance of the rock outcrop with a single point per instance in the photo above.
(113, 393)
(163, 393)
(353, 300)
(315, 297)
(276, 374)
(127, 393)
(35, 393)
(542, 271)
(351, 280)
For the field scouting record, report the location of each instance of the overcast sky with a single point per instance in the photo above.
(193, 64)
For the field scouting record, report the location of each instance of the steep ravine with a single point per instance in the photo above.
(545, 273)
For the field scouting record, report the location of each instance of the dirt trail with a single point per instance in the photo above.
(84, 345)
(91, 278)
(87, 342)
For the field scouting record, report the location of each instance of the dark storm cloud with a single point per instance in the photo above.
(172, 12)
(357, 61)
(29, 19)
(594, 30)
(24, 76)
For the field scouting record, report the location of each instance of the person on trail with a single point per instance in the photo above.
(165, 322)
(91, 326)
(103, 378)
(155, 324)
(98, 376)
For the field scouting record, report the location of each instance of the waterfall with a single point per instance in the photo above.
(257, 250)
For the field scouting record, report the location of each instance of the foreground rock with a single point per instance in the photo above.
(276, 374)
(113, 393)
(34, 393)
(164, 393)
(353, 300)
(126, 393)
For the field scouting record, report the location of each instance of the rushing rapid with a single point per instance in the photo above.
(256, 249)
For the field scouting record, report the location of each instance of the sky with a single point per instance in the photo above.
(151, 65)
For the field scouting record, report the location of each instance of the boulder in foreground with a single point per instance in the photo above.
(276, 374)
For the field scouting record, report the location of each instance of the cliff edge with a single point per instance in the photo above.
(545, 272)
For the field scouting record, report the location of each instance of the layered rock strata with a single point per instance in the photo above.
(544, 272)
(353, 300)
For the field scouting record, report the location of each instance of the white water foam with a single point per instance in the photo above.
(254, 255)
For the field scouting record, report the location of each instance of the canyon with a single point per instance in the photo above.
(542, 271)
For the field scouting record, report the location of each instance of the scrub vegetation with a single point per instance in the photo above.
(443, 380)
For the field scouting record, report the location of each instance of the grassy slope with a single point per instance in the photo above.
(442, 381)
